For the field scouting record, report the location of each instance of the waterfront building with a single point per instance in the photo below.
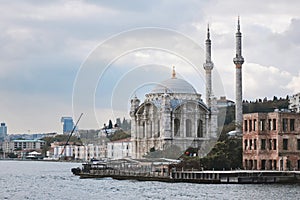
(22, 147)
(67, 124)
(3, 131)
(271, 141)
(119, 149)
(294, 102)
(79, 152)
(90, 151)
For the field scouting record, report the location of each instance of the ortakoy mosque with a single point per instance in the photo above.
(173, 113)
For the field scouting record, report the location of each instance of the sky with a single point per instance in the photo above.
(62, 58)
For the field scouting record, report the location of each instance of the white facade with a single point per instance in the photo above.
(67, 152)
(173, 113)
(294, 102)
(87, 152)
(83, 152)
(119, 149)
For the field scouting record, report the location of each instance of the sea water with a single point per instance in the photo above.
(54, 180)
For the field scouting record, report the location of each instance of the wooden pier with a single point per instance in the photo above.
(215, 177)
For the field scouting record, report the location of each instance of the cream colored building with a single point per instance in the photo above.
(173, 113)
(82, 152)
(119, 149)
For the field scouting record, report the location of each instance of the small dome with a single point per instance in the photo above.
(174, 85)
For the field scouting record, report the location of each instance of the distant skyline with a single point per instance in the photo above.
(44, 44)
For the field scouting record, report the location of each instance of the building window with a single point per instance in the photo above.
(150, 132)
(262, 124)
(144, 130)
(285, 144)
(292, 124)
(263, 164)
(246, 125)
(284, 124)
(274, 144)
(158, 128)
(263, 144)
(274, 124)
(246, 164)
(188, 128)
(270, 144)
(270, 164)
(200, 128)
(245, 144)
(274, 164)
(298, 144)
(254, 124)
(254, 144)
(176, 127)
(250, 125)
(270, 124)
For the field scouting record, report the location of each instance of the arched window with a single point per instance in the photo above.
(158, 128)
(143, 136)
(200, 128)
(188, 128)
(150, 131)
(176, 127)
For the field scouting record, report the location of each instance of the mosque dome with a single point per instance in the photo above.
(174, 85)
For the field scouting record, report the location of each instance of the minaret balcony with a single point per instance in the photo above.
(238, 60)
(208, 65)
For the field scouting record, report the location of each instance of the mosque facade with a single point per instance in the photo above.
(174, 114)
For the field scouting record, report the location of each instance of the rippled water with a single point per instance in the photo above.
(54, 180)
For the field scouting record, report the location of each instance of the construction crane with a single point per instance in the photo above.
(63, 150)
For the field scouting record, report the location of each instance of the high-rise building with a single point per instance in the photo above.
(3, 131)
(67, 124)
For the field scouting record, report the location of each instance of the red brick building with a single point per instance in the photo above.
(271, 141)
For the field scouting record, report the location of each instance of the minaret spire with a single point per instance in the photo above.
(208, 66)
(173, 72)
(238, 61)
(238, 25)
(208, 34)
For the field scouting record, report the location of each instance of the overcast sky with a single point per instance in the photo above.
(46, 46)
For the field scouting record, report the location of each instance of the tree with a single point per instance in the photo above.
(125, 126)
(110, 124)
(118, 122)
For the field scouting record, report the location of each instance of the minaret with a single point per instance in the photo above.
(238, 61)
(208, 66)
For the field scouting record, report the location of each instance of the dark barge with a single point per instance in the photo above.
(162, 173)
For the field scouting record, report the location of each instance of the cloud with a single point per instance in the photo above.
(294, 84)
(265, 81)
(43, 45)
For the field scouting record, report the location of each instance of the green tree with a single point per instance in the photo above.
(110, 124)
